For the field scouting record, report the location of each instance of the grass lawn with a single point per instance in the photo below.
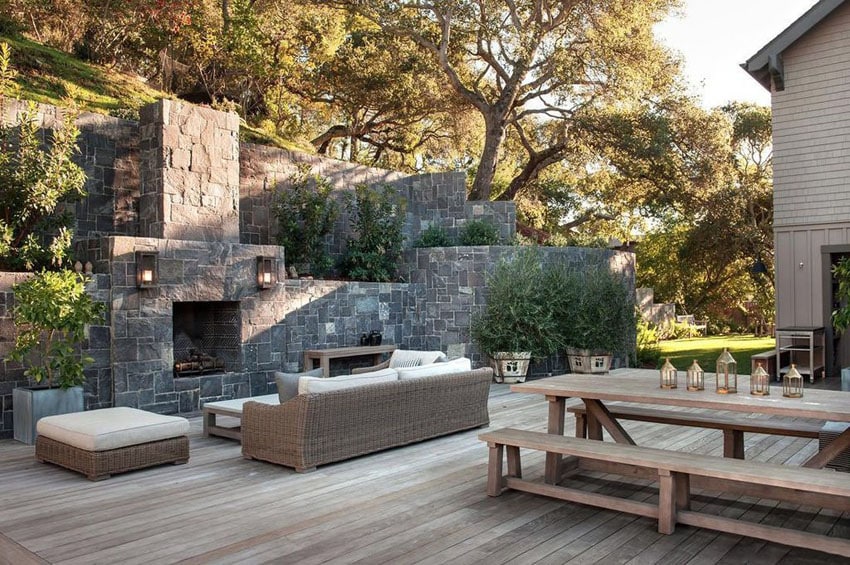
(706, 350)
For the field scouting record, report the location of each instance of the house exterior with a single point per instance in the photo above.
(807, 70)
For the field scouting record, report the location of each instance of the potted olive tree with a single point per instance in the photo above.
(517, 322)
(597, 319)
(52, 312)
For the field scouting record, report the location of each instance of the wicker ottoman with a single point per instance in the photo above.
(99, 443)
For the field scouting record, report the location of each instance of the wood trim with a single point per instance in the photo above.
(13, 553)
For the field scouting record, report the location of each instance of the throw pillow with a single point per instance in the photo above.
(413, 358)
(287, 383)
(311, 384)
(459, 365)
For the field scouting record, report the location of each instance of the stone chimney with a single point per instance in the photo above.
(189, 173)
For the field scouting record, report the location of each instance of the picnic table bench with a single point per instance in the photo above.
(733, 428)
(674, 472)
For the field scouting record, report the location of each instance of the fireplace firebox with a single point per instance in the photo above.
(206, 337)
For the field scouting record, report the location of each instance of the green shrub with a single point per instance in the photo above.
(305, 214)
(376, 218)
(648, 352)
(434, 236)
(479, 232)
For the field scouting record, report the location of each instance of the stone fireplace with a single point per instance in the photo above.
(206, 337)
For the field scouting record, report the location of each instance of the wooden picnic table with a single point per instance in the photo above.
(324, 356)
(641, 386)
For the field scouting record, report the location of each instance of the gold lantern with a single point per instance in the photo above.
(668, 375)
(760, 382)
(727, 373)
(696, 377)
(792, 383)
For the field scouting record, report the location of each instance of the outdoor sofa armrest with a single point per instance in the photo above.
(378, 367)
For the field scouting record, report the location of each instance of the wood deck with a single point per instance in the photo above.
(424, 503)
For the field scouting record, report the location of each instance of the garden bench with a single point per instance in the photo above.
(694, 325)
(733, 428)
(673, 471)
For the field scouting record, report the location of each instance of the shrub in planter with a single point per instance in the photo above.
(434, 236)
(376, 220)
(479, 232)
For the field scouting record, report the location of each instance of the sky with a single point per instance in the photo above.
(716, 36)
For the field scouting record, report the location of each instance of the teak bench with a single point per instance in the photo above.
(673, 472)
(733, 428)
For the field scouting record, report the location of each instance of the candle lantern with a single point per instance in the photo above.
(668, 375)
(760, 382)
(696, 377)
(266, 272)
(792, 383)
(727, 373)
(146, 269)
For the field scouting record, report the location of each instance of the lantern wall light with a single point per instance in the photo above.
(147, 275)
(266, 272)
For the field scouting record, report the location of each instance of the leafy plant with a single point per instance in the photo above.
(517, 316)
(434, 236)
(305, 214)
(648, 351)
(36, 185)
(376, 219)
(51, 313)
(841, 315)
(479, 232)
(602, 317)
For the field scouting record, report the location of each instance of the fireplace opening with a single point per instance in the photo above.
(206, 337)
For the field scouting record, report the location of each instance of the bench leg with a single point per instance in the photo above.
(671, 488)
(733, 444)
(494, 469)
(514, 463)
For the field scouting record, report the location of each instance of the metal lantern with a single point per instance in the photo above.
(727, 373)
(792, 383)
(760, 382)
(266, 272)
(668, 375)
(146, 269)
(696, 377)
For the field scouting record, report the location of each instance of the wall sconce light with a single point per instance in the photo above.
(759, 268)
(147, 275)
(266, 272)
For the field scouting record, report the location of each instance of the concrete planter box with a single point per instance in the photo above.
(587, 361)
(31, 404)
(510, 367)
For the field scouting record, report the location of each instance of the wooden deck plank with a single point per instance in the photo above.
(424, 503)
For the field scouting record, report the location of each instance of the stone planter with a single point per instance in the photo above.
(33, 403)
(588, 361)
(510, 366)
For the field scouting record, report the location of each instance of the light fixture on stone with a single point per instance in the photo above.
(266, 272)
(727, 373)
(146, 269)
(792, 383)
(696, 377)
(760, 382)
(668, 375)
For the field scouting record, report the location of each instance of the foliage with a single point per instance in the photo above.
(602, 316)
(305, 213)
(706, 350)
(841, 315)
(648, 351)
(36, 185)
(51, 313)
(376, 218)
(479, 232)
(517, 316)
(434, 236)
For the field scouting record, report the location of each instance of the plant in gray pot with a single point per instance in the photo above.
(517, 323)
(597, 321)
(51, 313)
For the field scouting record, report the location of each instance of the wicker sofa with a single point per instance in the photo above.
(317, 428)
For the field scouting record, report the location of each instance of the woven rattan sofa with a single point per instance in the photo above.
(317, 428)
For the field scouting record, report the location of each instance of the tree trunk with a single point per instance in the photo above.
(483, 183)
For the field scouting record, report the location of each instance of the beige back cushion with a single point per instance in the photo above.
(459, 365)
(312, 384)
(412, 358)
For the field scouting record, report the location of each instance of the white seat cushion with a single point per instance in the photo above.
(412, 358)
(459, 365)
(312, 384)
(111, 428)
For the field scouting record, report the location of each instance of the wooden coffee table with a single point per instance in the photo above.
(232, 409)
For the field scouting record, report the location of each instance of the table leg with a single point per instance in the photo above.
(326, 367)
(830, 452)
(557, 407)
(308, 363)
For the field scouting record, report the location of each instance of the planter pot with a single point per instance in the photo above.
(510, 366)
(31, 404)
(588, 361)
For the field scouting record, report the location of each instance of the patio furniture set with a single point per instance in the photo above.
(675, 472)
